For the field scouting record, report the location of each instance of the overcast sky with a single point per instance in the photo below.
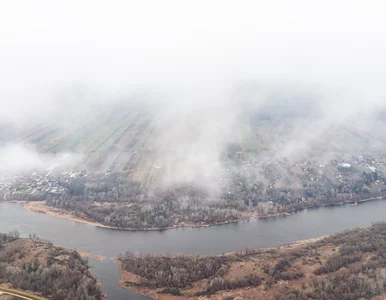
(194, 51)
(120, 45)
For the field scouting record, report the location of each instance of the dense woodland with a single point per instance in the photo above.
(57, 273)
(172, 272)
(346, 266)
(156, 211)
(120, 203)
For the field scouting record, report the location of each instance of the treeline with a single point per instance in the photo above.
(254, 195)
(171, 272)
(50, 271)
(219, 283)
(164, 209)
(118, 202)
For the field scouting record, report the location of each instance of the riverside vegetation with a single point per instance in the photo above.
(244, 190)
(345, 266)
(118, 203)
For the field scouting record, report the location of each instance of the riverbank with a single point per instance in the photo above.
(271, 273)
(132, 282)
(288, 213)
(127, 276)
(41, 207)
(91, 255)
(213, 240)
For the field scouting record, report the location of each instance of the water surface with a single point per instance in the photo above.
(255, 233)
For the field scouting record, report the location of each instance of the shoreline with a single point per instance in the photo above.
(91, 255)
(153, 292)
(42, 208)
(125, 275)
(308, 256)
(148, 292)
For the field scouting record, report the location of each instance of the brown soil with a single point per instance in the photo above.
(238, 269)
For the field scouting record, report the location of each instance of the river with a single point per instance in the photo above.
(255, 233)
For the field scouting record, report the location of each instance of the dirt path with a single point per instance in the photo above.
(16, 293)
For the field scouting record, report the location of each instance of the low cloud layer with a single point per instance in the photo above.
(199, 68)
(17, 158)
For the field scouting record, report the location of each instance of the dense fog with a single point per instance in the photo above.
(199, 69)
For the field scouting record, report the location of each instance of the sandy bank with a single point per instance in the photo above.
(40, 207)
(91, 255)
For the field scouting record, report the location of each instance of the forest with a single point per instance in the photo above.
(124, 204)
(38, 266)
(158, 209)
(114, 200)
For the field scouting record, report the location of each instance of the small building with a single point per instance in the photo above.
(345, 165)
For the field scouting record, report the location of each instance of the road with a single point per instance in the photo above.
(12, 294)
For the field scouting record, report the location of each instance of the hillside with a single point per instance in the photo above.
(43, 269)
